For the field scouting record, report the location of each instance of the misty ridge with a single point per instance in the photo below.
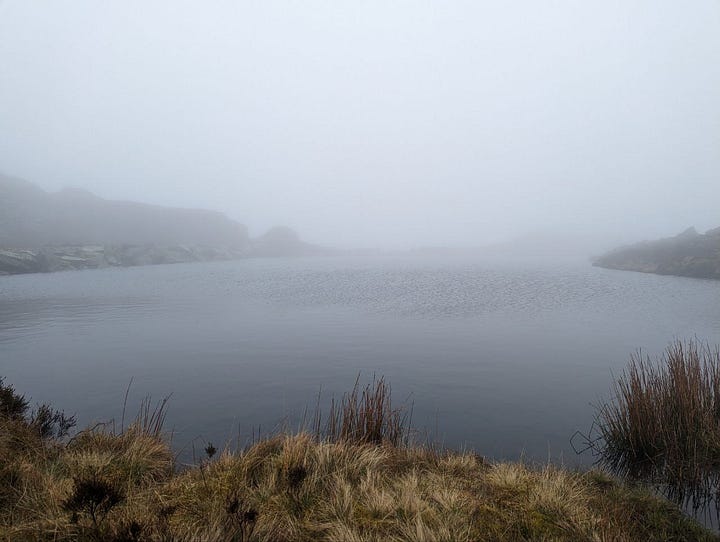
(70, 229)
(74, 229)
(31, 218)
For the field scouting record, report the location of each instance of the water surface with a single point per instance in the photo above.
(503, 357)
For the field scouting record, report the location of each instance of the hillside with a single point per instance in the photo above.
(32, 218)
(74, 229)
(689, 254)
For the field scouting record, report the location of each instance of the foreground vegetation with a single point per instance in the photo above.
(664, 422)
(354, 482)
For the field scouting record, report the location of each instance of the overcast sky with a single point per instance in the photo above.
(374, 123)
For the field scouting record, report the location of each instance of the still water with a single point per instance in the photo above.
(507, 358)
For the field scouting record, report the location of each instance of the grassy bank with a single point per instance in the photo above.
(354, 486)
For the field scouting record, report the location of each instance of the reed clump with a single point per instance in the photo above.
(366, 415)
(122, 486)
(664, 421)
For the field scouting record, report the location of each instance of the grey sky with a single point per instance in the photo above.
(374, 123)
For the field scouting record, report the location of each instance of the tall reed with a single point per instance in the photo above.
(664, 422)
(366, 415)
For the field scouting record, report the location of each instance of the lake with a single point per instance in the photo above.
(505, 357)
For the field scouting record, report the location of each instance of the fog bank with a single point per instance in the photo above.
(374, 124)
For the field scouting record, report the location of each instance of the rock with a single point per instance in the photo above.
(67, 258)
(20, 261)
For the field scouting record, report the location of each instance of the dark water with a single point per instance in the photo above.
(506, 358)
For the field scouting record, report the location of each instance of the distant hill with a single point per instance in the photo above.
(283, 241)
(33, 218)
(74, 229)
(688, 254)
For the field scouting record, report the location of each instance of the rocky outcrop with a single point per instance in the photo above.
(20, 261)
(67, 258)
(689, 254)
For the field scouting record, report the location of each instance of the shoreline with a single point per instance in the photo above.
(82, 257)
(125, 485)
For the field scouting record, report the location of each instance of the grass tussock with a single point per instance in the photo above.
(664, 423)
(121, 486)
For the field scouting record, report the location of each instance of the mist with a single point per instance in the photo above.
(360, 270)
(374, 124)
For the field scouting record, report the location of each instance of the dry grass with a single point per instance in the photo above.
(293, 488)
(110, 486)
(664, 423)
